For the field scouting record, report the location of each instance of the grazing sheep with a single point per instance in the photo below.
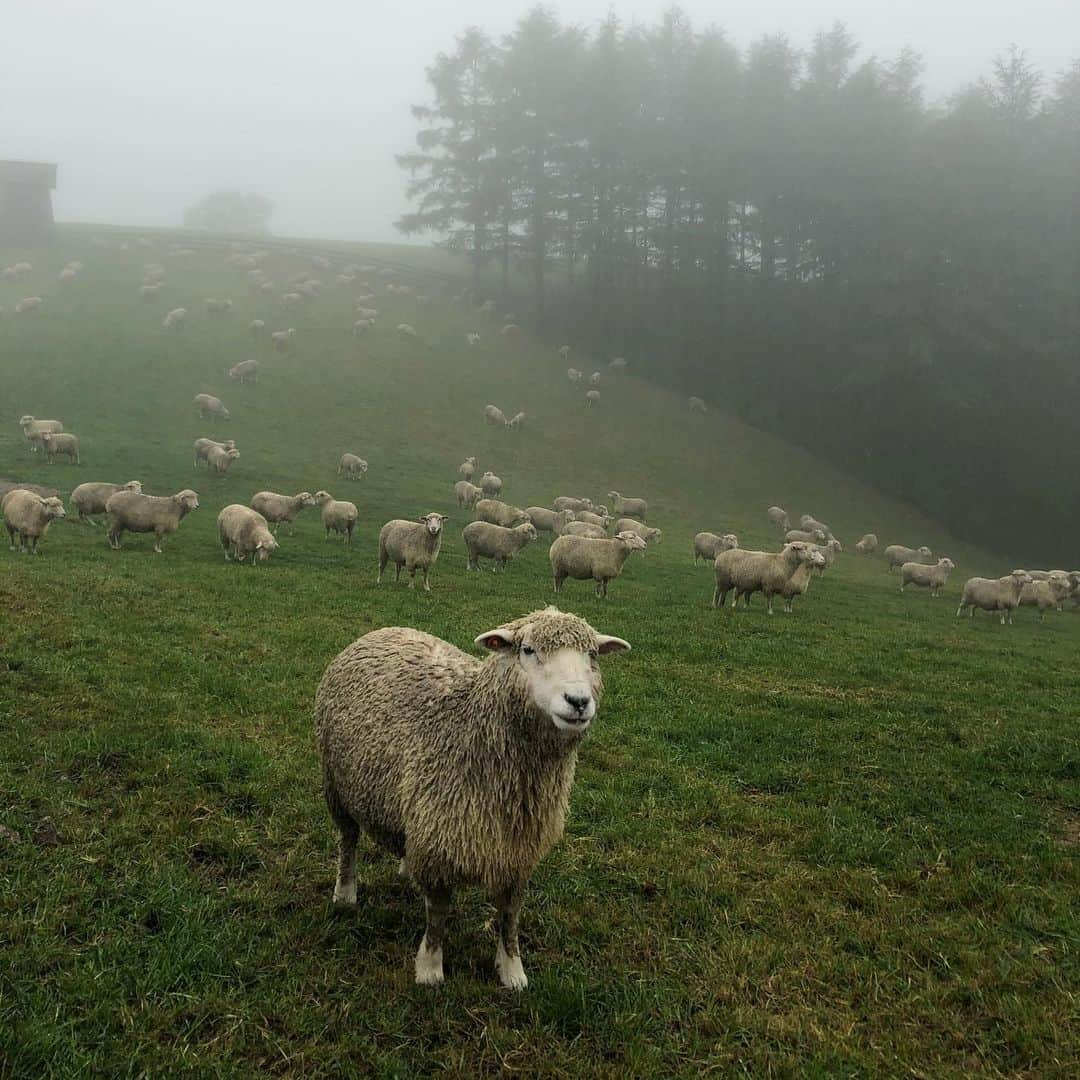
(221, 460)
(246, 369)
(495, 416)
(500, 513)
(282, 339)
(245, 532)
(617, 366)
(208, 405)
(413, 545)
(926, 577)
(28, 516)
(486, 541)
(60, 442)
(352, 466)
(281, 508)
(472, 339)
(574, 375)
(778, 517)
(338, 516)
(592, 399)
(806, 536)
(131, 511)
(697, 405)
(867, 545)
(176, 317)
(467, 469)
(799, 582)
(594, 379)
(516, 421)
(584, 558)
(646, 532)
(584, 528)
(28, 304)
(491, 485)
(33, 429)
(90, 499)
(623, 507)
(748, 572)
(437, 754)
(202, 449)
(1046, 594)
(896, 555)
(708, 545)
(552, 521)
(217, 309)
(994, 594)
(257, 329)
(568, 502)
(467, 494)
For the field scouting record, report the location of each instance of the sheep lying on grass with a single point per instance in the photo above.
(131, 511)
(281, 508)
(27, 518)
(338, 515)
(413, 545)
(584, 558)
(994, 594)
(244, 532)
(748, 572)
(926, 577)
(431, 750)
(707, 545)
(91, 499)
(486, 541)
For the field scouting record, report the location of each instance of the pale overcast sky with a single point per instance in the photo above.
(147, 105)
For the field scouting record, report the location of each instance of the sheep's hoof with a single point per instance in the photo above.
(511, 972)
(345, 896)
(429, 966)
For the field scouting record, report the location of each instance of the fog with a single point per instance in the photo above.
(147, 106)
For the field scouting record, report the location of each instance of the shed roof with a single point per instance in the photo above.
(37, 173)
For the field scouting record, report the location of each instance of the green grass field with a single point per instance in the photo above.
(842, 842)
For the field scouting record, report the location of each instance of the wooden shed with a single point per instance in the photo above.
(26, 215)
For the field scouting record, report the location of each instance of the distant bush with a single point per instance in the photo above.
(232, 212)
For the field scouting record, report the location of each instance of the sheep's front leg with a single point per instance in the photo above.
(427, 586)
(429, 957)
(507, 952)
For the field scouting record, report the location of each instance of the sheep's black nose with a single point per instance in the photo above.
(577, 701)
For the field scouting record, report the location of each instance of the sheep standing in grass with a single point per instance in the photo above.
(491, 485)
(570, 502)
(91, 499)
(805, 536)
(472, 339)
(208, 405)
(584, 559)
(896, 555)
(352, 466)
(552, 521)
(338, 515)
(467, 494)
(500, 513)
(592, 399)
(994, 594)
(707, 545)
(33, 429)
(174, 318)
(799, 582)
(1046, 594)
(27, 518)
(602, 520)
(624, 507)
(811, 524)
(646, 532)
(516, 422)
(594, 379)
(131, 511)
(467, 469)
(60, 442)
(245, 370)
(413, 545)
(574, 375)
(829, 552)
(432, 752)
(926, 577)
(779, 518)
(281, 508)
(221, 460)
(203, 447)
(697, 405)
(486, 541)
(282, 339)
(564, 352)
(867, 545)
(151, 290)
(748, 572)
(494, 416)
(405, 330)
(244, 532)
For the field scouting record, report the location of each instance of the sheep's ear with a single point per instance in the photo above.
(610, 644)
(496, 640)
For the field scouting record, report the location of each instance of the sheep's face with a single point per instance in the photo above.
(729, 541)
(631, 540)
(655, 537)
(323, 497)
(188, 500)
(133, 485)
(26, 421)
(1022, 576)
(946, 564)
(433, 523)
(265, 548)
(528, 529)
(305, 498)
(815, 559)
(54, 508)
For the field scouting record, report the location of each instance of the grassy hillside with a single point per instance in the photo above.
(842, 841)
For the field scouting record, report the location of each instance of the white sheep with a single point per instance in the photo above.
(221, 460)
(624, 507)
(202, 449)
(27, 517)
(281, 508)
(584, 528)
(131, 511)
(799, 582)
(994, 594)
(33, 429)
(257, 329)
(246, 369)
(617, 365)
(594, 379)
(646, 532)
(552, 521)
(352, 466)
(208, 405)
(564, 352)
(338, 515)
(467, 469)
(592, 399)
(472, 339)
(90, 499)
(574, 375)
(584, 558)
(697, 405)
(28, 304)
(1046, 594)
(867, 545)
(806, 536)
(491, 485)
(282, 339)
(486, 541)
(173, 318)
(602, 519)
(405, 330)
(361, 327)
(516, 422)
(510, 330)
(495, 416)
(896, 555)
(778, 517)
(707, 545)
(412, 545)
(467, 494)
(570, 502)
(60, 442)
(217, 309)
(747, 572)
(244, 532)
(926, 577)
(500, 513)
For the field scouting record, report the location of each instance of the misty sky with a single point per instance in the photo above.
(148, 105)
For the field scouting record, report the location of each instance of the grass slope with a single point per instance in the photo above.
(842, 841)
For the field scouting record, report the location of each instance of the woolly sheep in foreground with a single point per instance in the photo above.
(246, 369)
(748, 572)
(491, 485)
(176, 317)
(90, 499)
(569, 502)
(867, 545)
(697, 405)
(778, 517)
(584, 528)
(28, 516)
(806, 536)
(799, 582)
(245, 532)
(926, 577)
(60, 442)
(461, 767)
(500, 513)
(494, 416)
(208, 405)
(592, 399)
(467, 469)
(486, 541)
(707, 545)
(131, 511)
(352, 466)
(281, 508)
(33, 429)
(413, 545)
(994, 594)
(221, 460)
(646, 532)
(623, 507)
(896, 555)
(552, 521)
(467, 494)
(583, 558)
(203, 447)
(1046, 594)
(338, 515)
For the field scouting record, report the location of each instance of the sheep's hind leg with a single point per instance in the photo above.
(507, 952)
(429, 957)
(348, 830)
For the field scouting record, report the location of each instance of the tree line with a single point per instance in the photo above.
(796, 235)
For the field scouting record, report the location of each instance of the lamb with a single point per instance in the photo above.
(500, 513)
(584, 528)
(176, 317)
(799, 582)
(216, 309)
(516, 422)
(246, 369)
(1046, 594)
(617, 366)
(413, 545)
(282, 339)
(486, 541)
(778, 517)
(592, 399)
(338, 515)
(28, 304)
(208, 405)
(352, 466)
(202, 449)
(867, 545)
(646, 532)
(221, 460)
(495, 416)
(246, 532)
(697, 405)
(131, 511)
(28, 517)
(747, 572)
(708, 545)
(574, 375)
(60, 442)
(990, 594)
(583, 558)
(467, 468)
(472, 339)
(896, 555)
(437, 754)
(568, 502)
(281, 508)
(90, 499)
(552, 521)
(467, 494)
(623, 507)
(926, 577)
(805, 536)
(33, 429)
(491, 485)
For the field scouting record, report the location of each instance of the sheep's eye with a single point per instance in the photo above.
(527, 650)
